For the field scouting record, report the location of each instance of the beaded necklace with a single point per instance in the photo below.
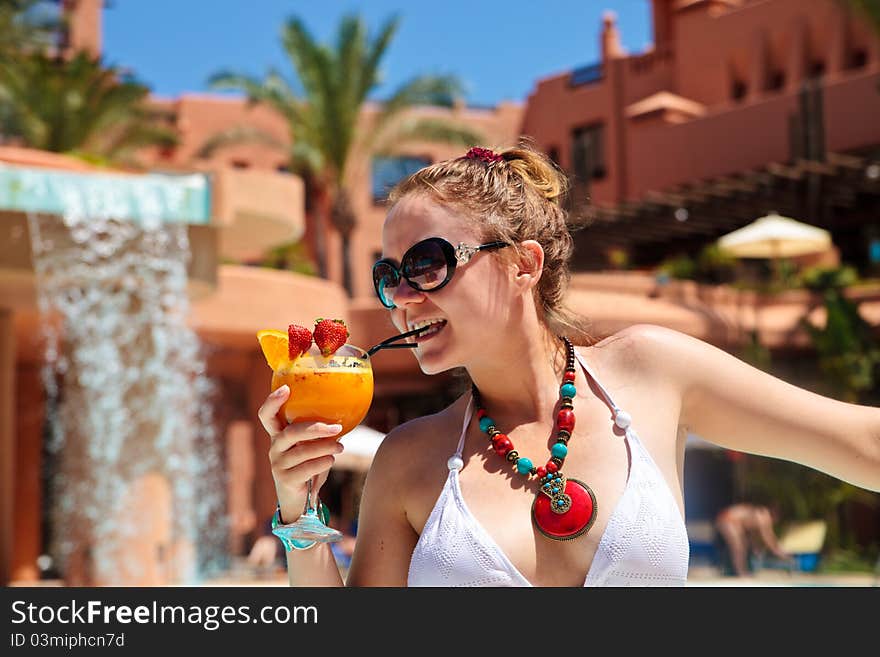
(563, 508)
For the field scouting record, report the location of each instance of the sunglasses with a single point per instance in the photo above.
(426, 266)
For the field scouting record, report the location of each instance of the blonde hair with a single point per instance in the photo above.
(517, 195)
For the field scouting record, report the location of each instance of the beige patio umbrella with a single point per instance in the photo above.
(774, 236)
(360, 444)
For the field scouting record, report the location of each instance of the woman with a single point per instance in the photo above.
(743, 530)
(469, 495)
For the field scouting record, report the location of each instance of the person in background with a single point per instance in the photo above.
(747, 529)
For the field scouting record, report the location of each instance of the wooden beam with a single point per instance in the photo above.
(814, 166)
(666, 198)
(735, 184)
(847, 161)
(782, 171)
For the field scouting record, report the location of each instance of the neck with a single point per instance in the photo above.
(528, 392)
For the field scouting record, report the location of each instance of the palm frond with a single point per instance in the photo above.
(370, 78)
(75, 105)
(417, 129)
(238, 135)
(439, 90)
(273, 91)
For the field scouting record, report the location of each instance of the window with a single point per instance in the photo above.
(858, 58)
(776, 80)
(388, 171)
(587, 153)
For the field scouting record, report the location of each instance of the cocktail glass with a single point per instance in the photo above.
(336, 389)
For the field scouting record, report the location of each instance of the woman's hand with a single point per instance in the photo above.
(299, 451)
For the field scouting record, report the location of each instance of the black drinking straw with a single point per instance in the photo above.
(389, 343)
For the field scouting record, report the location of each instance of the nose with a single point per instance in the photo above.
(406, 294)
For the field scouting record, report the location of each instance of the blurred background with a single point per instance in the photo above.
(175, 177)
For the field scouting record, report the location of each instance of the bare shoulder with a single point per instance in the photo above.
(656, 350)
(639, 350)
(410, 447)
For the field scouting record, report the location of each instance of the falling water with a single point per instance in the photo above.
(136, 491)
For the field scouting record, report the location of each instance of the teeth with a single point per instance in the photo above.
(425, 322)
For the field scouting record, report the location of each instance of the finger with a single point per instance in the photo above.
(269, 410)
(308, 469)
(305, 451)
(293, 433)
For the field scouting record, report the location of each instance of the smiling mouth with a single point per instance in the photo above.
(429, 332)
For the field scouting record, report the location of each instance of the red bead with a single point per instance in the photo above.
(481, 414)
(542, 472)
(565, 420)
(568, 377)
(501, 444)
(551, 467)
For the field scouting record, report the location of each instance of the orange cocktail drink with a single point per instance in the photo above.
(332, 389)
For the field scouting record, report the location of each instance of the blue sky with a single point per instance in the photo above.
(497, 48)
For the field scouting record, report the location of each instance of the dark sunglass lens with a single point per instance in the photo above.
(385, 280)
(425, 265)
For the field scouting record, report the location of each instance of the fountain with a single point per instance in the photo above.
(136, 477)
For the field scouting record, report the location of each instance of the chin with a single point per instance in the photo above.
(433, 361)
(430, 366)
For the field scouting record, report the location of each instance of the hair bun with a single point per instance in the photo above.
(537, 170)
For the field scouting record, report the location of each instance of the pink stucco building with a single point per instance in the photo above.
(738, 108)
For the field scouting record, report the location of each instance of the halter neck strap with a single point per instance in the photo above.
(589, 371)
(467, 420)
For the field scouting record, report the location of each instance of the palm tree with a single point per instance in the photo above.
(328, 133)
(79, 106)
(24, 26)
(846, 346)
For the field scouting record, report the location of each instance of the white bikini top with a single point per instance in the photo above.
(645, 542)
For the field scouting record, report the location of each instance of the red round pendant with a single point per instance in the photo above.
(574, 522)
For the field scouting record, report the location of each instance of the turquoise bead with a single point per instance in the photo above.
(485, 423)
(568, 390)
(523, 465)
(559, 450)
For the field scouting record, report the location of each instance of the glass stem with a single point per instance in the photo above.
(308, 507)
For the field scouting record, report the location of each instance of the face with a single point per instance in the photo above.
(472, 308)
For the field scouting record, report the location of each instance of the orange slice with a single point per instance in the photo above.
(274, 346)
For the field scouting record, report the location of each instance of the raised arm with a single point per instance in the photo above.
(732, 404)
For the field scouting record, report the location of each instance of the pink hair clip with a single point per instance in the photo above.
(484, 155)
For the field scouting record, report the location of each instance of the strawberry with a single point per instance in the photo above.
(330, 334)
(299, 339)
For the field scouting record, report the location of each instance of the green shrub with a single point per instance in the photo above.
(681, 267)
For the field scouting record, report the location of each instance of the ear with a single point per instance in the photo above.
(531, 264)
